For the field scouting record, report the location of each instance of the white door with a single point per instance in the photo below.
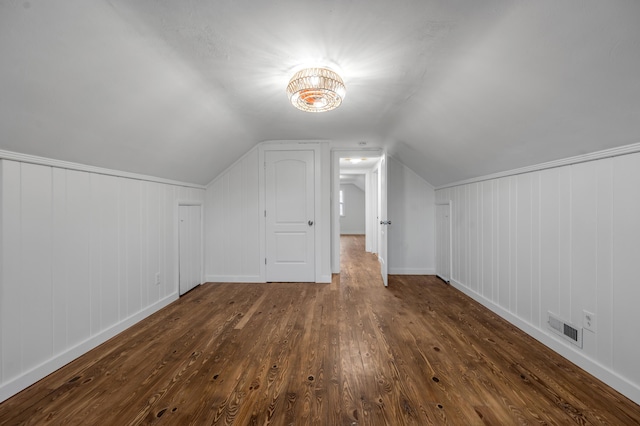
(384, 221)
(443, 241)
(190, 247)
(289, 216)
(375, 223)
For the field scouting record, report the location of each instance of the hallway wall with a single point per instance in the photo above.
(353, 222)
(411, 209)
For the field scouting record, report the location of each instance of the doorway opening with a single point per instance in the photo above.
(356, 206)
(356, 261)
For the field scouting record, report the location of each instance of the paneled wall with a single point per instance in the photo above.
(411, 209)
(232, 223)
(562, 240)
(80, 252)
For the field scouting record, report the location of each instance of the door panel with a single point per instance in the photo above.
(290, 227)
(443, 242)
(376, 213)
(190, 247)
(291, 247)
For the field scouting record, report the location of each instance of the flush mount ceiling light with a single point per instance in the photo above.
(355, 160)
(316, 90)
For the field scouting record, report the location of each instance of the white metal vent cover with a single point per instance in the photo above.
(567, 330)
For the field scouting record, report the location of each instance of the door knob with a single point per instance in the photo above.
(310, 223)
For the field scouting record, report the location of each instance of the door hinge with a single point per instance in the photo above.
(265, 260)
(265, 213)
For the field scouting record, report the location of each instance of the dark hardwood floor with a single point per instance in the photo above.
(347, 353)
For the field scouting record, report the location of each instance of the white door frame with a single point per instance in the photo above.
(319, 223)
(290, 220)
(336, 154)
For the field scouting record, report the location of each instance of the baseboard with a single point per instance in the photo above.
(234, 279)
(250, 279)
(28, 378)
(411, 271)
(324, 279)
(608, 376)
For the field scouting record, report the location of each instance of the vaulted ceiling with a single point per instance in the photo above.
(453, 89)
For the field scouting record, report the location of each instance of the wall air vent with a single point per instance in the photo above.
(565, 329)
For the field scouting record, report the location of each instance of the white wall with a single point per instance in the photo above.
(353, 222)
(563, 240)
(79, 253)
(234, 215)
(411, 209)
(232, 223)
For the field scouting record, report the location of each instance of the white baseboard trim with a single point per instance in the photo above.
(234, 279)
(28, 378)
(411, 271)
(598, 155)
(43, 161)
(250, 279)
(324, 279)
(608, 376)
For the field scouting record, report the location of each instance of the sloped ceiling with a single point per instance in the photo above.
(453, 89)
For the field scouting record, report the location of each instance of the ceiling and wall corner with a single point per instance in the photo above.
(181, 90)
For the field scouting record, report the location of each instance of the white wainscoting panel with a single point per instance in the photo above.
(602, 347)
(74, 247)
(626, 266)
(560, 240)
(36, 237)
(80, 253)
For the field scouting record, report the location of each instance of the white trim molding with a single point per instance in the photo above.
(234, 279)
(598, 155)
(411, 271)
(43, 161)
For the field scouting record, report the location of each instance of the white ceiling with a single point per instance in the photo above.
(453, 89)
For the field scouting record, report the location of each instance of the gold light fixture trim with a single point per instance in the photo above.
(316, 89)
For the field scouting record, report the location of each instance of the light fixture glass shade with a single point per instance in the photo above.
(316, 90)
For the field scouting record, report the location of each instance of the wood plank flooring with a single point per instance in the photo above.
(346, 353)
